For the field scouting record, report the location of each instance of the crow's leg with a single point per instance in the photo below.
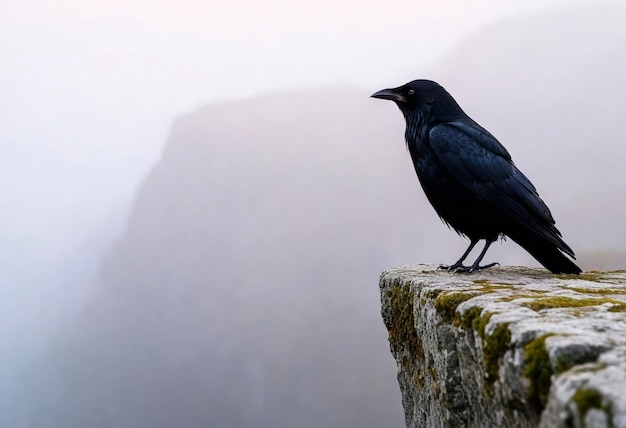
(476, 265)
(459, 262)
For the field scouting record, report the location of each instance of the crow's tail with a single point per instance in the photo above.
(546, 251)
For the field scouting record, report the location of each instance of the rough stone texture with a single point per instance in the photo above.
(512, 347)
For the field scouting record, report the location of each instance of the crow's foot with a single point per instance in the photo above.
(473, 268)
(453, 267)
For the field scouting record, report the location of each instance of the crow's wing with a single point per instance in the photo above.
(482, 165)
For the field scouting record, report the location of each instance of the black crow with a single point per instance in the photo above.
(471, 181)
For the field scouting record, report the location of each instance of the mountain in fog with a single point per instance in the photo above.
(247, 277)
(244, 290)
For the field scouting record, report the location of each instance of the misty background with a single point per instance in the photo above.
(197, 198)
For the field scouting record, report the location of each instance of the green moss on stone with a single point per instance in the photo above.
(432, 294)
(481, 322)
(564, 362)
(586, 399)
(617, 306)
(538, 370)
(570, 302)
(446, 303)
(494, 345)
(592, 275)
(603, 291)
(495, 287)
(402, 334)
(467, 320)
(517, 296)
(494, 348)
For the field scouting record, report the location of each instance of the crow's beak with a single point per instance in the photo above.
(390, 94)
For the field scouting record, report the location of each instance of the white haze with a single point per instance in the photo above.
(90, 90)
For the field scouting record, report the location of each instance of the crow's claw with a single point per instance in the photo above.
(470, 269)
(453, 267)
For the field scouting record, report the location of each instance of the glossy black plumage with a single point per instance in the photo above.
(471, 181)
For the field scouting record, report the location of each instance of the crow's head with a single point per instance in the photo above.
(423, 100)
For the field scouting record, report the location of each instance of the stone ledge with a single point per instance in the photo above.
(514, 347)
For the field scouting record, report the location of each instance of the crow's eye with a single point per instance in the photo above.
(411, 91)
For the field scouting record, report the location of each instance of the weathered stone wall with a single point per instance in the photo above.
(508, 347)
